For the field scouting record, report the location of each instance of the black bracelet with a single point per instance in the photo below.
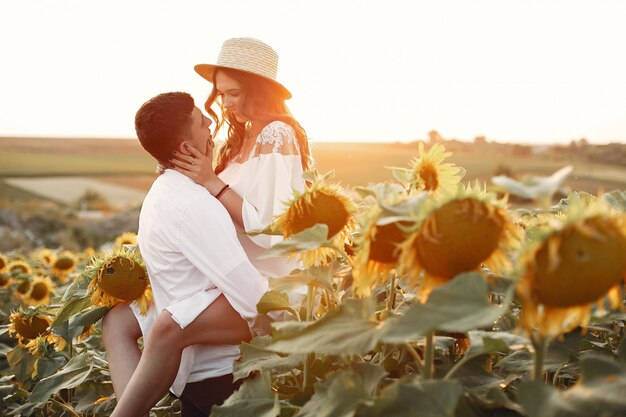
(222, 191)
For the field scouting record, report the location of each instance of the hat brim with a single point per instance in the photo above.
(207, 71)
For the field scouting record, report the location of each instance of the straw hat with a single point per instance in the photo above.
(249, 55)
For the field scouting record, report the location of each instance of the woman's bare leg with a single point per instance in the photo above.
(218, 324)
(120, 332)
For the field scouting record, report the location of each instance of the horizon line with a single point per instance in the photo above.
(313, 139)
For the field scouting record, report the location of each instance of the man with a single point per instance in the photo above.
(189, 244)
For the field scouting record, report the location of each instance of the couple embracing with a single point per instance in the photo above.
(203, 269)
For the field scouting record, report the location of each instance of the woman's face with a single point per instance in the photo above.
(231, 93)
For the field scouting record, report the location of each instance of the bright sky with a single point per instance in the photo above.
(386, 70)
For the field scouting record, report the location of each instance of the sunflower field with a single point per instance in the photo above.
(420, 296)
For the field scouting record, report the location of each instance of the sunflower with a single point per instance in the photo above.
(27, 326)
(571, 266)
(119, 277)
(19, 267)
(377, 250)
(4, 263)
(319, 203)
(126, 238)
(89, 253)
(5, 276)
(23, 285)
(44, 256)
(5, 280)
(41, 287)
(64, 265)
(459, 232)
(428, 172)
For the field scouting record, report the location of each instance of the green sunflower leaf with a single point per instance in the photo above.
(272, 301)
(413, 397)
(458, 306)
(308, 239)
(348, 329)
(254, 398)
(71, 308)
(72, 375)
(339, 395)
(255, 357)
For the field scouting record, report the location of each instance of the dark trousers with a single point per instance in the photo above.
(198, 397)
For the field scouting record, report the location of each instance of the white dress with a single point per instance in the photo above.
(265, 181)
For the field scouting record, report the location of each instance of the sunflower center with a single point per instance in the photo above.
(123, 279)
(384, 244)
(586, 265)
(39, 291)
(323, 208)
(458, 237)
(30, 327)
(428, 174)
(4, 280)
(64, 264)
(3, 263)
(23, 287)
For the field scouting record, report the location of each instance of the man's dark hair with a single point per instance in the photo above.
(162, 122)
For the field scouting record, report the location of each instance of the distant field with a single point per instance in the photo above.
(36, 157)
(360, 163)
(124, 162)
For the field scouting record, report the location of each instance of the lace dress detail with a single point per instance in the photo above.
(277, 137)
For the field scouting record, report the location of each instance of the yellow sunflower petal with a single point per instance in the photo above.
(573, 266)
(126, 238)
(430, 173)
(64, 265)
(320, 203)
(460, 232)
(40, 291)
(120, 277)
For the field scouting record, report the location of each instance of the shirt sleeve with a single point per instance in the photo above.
(208, 240)
(278, 173)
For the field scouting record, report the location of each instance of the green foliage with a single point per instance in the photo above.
(349, 329)
(459, 351)
(254, 398)
(459, 306)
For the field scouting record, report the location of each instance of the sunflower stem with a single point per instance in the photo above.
(294, 312)
(429, 355)
(344, 255)
(391, 296)
(308, 362)
(70, 347)
(391, 301)
(66, 407)
(540, 343)
(418, 361)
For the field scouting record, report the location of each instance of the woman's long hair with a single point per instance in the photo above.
(261, 101)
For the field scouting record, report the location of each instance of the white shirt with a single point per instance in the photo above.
(189, 244)
(265, 181)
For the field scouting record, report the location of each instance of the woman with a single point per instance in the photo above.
(257, 168)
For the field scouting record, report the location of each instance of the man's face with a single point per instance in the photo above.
(200, 133)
